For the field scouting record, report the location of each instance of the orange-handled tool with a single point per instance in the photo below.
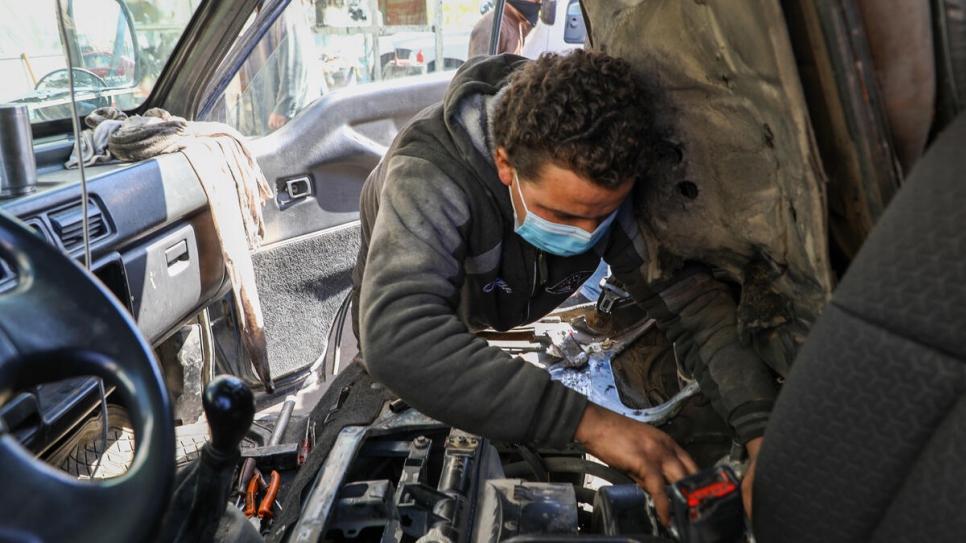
(265, 508)
(250, 495)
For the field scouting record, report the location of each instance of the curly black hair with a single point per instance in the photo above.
(584, 111)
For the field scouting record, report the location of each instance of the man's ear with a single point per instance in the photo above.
(503, 168)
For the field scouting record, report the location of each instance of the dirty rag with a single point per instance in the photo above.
(143, 136)
(232, 179)
(101, 123)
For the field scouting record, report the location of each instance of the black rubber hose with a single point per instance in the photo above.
(584, 494)
(570, 465)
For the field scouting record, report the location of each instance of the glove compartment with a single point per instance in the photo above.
(168, 280)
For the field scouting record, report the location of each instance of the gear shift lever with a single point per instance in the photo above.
(230, 407)
(201, 497)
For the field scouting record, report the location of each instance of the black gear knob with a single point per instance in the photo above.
(230, 408)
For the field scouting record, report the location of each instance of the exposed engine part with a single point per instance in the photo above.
(569, 349)
(566, 464)
(510, 507)
(707, 507)
(619, 510)
(413, 508)
(406, 479)
(586, 364)
(318, 506)
(595, 379)
(456, 481)
(614, 310)
(596, 382)
(610, 293)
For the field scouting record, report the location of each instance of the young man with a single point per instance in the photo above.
(489, 210)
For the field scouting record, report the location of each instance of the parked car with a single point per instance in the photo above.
(102, 64)
(122, 343)
(414, 53)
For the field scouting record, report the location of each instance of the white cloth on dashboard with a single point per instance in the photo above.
(234, 183)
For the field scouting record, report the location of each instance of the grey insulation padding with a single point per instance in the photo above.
(301, 285)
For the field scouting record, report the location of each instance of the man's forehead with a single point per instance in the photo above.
(549, 171)
(568, 194)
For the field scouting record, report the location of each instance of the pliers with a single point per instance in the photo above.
(264, 510)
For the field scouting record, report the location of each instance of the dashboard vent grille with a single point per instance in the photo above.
(69, 226)
(37, 224)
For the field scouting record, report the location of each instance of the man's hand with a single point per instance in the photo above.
(752, 446)
(276, 121)
(646, 454)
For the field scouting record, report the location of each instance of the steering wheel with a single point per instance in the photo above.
(56, 323)
(59, 80)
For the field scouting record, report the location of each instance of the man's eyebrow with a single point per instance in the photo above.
(563, 215)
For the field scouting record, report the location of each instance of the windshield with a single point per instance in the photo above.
(118, 49)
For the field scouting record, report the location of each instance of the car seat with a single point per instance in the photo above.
(867, 439)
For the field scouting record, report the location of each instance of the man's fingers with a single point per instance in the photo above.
(673, 468)
(689, 464)
(746, 496)
(677, 462)
(654, 485)
(747, 484)
(676, 465)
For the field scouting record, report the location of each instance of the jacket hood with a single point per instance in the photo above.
(480, 75)
(465, 114)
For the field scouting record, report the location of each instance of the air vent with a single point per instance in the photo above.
(69, 226)
(37, 224)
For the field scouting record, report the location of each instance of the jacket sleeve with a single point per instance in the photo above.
(414, 343)
(698, 314)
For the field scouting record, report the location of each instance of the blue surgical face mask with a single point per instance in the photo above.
(554, 238)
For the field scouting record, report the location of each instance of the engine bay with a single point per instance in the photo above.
(403, 477)
(446, 485)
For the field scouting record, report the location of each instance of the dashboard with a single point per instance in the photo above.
(152, 243)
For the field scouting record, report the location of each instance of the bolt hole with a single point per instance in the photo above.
(668, 153)
(688, 189)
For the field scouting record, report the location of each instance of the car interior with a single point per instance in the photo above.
(132, 404)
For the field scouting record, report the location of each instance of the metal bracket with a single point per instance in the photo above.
(596, 380)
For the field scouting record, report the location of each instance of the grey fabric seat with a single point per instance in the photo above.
(868, 438)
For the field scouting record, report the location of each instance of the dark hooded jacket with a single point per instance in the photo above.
(440, 260)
